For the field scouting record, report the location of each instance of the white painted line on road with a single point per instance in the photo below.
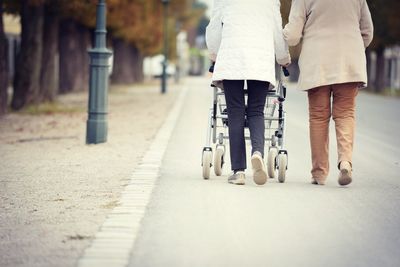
(115, 240)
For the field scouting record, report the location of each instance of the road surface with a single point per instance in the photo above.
(193, 222)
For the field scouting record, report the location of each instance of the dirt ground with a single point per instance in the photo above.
(55, 191)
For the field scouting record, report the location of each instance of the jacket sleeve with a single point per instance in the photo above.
(366, 25)
(281, 48)
(214, 30)
(293, 31)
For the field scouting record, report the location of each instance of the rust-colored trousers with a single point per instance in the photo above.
(336, 101)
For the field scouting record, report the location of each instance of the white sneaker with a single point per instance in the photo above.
(260, 176)
(237, 178)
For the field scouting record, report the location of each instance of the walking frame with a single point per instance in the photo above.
(275, 131)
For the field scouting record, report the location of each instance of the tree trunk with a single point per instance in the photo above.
(369, 66)
(74, 41)
(49, 73)
(380, 76)
(123, 62)
(3, 65)
(27, 75)
(138, 74)
(128, 63)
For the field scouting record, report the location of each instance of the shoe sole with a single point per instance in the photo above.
(259, 174)
(317, 182)
(344, 177)
(237, 182)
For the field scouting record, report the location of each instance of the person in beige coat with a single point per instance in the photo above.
(334, 35)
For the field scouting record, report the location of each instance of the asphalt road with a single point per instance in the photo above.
(193, 222)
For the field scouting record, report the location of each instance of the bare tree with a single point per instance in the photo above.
(3, 65)
(49, 76)
(28, 67)
(74, 40)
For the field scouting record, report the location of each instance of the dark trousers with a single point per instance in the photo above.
(236, 107)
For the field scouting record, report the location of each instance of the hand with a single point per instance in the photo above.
(284, 62)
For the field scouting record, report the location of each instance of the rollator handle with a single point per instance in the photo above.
(211, 69)
(285, 72)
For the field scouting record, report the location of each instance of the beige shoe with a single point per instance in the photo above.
(260, 175)
(318, 181)
(238, 178)
(345, 174)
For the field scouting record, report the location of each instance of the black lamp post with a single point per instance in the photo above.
(165, 62)
(96, 131)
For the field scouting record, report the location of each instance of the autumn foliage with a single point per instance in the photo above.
(56, 35)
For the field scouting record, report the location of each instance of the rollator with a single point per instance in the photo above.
(275, 121)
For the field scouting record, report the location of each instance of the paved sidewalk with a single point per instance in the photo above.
(55, 191)
(193, 222)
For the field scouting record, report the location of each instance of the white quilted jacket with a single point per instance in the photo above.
(244, 36)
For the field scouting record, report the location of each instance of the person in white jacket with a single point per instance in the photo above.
(244, 39)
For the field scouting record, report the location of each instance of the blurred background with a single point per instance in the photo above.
(44, 44)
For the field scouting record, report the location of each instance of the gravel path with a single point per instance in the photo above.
(55, 191)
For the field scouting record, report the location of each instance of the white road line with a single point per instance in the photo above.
(115, 240)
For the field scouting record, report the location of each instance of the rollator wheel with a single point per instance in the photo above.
(271, 162)
(273, 140)
(206, 163)
(282, 166)
(219, 160)
(221, 138)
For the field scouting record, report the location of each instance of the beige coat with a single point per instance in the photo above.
(334, 35)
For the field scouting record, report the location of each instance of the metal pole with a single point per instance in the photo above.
(165, 62)
(96, 131)
(178, 52)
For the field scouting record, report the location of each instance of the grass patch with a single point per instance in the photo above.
(110, 205)
(116, 89)
(78, 237)
(386, 92)
(49, 108)
(391, 92)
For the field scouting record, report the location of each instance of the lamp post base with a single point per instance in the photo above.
(164, 77)
(98, 96)
(98, 129)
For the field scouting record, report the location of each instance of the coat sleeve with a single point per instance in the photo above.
(293, 31)
(366, 25)
(281, 48)
(214, 30)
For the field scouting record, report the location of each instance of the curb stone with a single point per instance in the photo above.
(113, 243)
